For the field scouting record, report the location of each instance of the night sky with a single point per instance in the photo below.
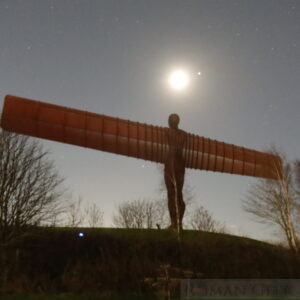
(113, 58)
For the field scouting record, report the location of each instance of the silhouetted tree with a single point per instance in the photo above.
(141, 214)
(276, 202)
(202, 219)
(30, 187)
(132, 214)
(94, 216)
(73, 212)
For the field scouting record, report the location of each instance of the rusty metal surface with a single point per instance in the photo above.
(139, 140)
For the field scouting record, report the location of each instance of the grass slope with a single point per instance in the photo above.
(56, 260)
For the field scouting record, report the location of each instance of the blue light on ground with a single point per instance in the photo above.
(81, 234)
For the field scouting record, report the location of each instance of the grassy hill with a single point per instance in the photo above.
(57, 260)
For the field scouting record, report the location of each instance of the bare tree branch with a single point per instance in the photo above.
(74, 212)
(131, 214)
(94, 216)
(30, 187)
(202, 219)
(275, 202)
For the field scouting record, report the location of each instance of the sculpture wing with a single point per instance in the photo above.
(134, 139)
(71, 126)
(206, 154)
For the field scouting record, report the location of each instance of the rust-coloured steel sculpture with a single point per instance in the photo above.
(174, 171)
(139, 140)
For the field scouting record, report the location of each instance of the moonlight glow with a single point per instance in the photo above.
(179, 80)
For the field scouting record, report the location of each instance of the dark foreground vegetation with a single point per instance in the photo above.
(132, 262)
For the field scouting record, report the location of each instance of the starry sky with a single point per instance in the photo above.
(113, 57)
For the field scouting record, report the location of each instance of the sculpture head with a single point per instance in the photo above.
(174, 121)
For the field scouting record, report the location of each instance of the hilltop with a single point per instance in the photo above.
(104, 260)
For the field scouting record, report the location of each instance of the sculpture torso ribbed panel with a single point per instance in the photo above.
(132, 139)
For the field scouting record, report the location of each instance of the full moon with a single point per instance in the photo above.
(179, 80)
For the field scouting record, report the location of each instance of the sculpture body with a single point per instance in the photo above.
(174, 171)
(171, 146)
